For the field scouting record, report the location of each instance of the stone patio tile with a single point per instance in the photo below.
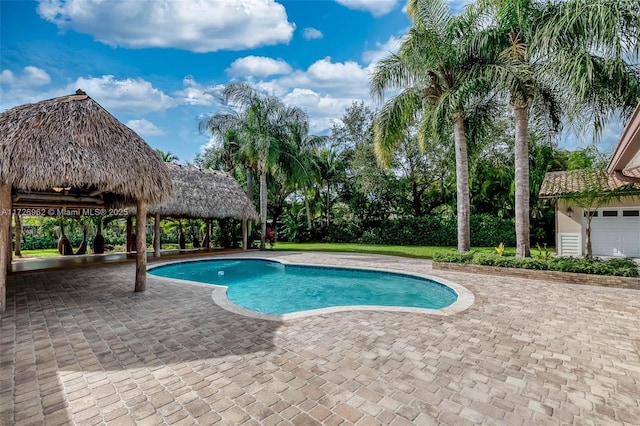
(526, 352)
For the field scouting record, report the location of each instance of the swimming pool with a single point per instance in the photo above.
(274, 288)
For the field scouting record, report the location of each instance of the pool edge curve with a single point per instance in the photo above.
(465, 297)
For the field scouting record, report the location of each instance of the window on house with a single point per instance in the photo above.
(631, 213)
(609, 213)
(592, 214)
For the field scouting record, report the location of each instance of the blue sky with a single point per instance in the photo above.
(158, 65)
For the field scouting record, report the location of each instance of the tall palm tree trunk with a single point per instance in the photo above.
(17, 251)
(249, 195)
(462, 183)
(522, 180)
(307, 209)
(263, 207)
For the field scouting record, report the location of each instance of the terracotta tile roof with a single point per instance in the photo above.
(557, 184)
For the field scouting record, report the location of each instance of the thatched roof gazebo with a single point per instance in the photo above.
(69, 152)
(202, 194)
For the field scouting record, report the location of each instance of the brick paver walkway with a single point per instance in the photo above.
(80, 347)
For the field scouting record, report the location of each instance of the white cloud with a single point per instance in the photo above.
(382, 50)
(374, 7)
(343, 78)
(144, 127)
(7, 77)
(195, 93)
(30, 77)
(323, 110)
(258, 66)
(323, 90)
(135, 96)
(312, 33)
(198, 26)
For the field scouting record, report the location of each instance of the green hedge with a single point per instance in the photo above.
(486, 231)
(616, 267)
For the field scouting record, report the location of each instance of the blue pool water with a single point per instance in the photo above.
(273, 288)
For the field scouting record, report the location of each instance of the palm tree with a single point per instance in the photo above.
(167, 157)
(269, 136)
(432, 70)
(555, 60)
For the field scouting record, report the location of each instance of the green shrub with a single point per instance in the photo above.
(531, 263)
(486, 231)
(451, 256)
(485, 259)
(615, 267)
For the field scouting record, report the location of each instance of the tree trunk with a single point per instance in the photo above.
(18, 235)
(307, 209)
(263, 207)
(194, 237)
(157, 234)
(249, 182)
(64, 245)
(328, 206)
(5, 240)
(462, 183)
(98, 240)
(206, 243)
(417, 206)
(141, 246)
(249, 192)
(182, 242)
(588, 235)
(522, 180)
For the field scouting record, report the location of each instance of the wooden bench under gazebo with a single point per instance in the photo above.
(69, 152)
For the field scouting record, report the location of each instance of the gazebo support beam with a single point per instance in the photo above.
(129, 232)
(141, 246)
(156, 236)
(245, 235)
(5, 239)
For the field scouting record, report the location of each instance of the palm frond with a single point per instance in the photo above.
(393, 120)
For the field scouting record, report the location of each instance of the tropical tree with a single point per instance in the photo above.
(269, 136)
(437, 90)
(557, 60)
(167, 157)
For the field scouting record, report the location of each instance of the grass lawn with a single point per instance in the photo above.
(406, 251)
(53, 252)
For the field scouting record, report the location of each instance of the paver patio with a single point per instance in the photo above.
(80, 347)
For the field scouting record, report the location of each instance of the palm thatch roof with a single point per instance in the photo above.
(72, 142)
(204, 194)
(562, 184)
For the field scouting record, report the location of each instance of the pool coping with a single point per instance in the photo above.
(219, 293)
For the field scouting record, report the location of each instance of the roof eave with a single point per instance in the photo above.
(629, 145)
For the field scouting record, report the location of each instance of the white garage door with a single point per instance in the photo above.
(616, 232)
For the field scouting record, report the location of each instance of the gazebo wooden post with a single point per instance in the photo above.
(129, 232)
(245, 235)
(141, 245)
(207, 235)
(156, 236)
(5, 240)
(10, 253)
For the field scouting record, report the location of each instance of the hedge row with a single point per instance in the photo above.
(110, 237)
(486, 231)
(623, 267)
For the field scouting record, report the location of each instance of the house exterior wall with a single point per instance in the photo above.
(572, 227)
